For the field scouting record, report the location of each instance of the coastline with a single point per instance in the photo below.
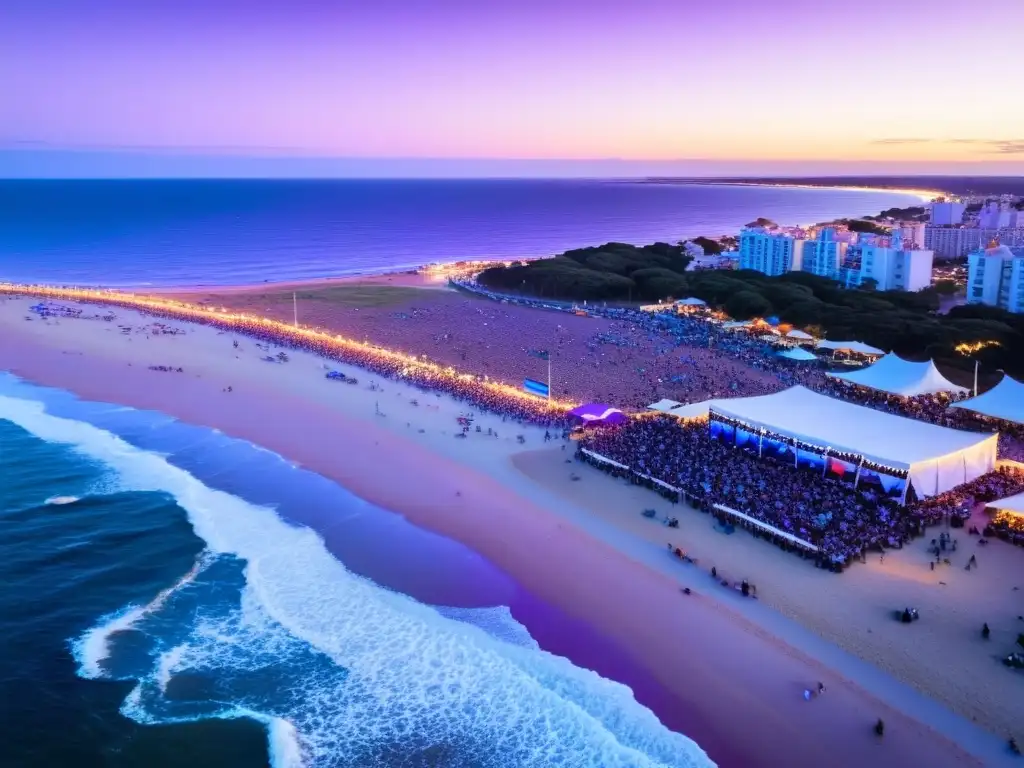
(388, 261)
(926, 195)
(707, 646)
(402, 278)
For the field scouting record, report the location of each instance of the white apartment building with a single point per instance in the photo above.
(770, 251)
(945, 213)
(951, 242)
(956, 242)
(995, 276)
(912, 233)
(894, 268)
(824, 254)
(995, 215)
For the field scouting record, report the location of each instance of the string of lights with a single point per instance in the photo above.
(328, 344)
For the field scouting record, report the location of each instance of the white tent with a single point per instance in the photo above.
(693, 301)
(937, 458)
(800, 335)
(664, 405)
(850, 346)
(798, 354)
(694, 410)
(897, 376)
(688, 411)
(734, 325)
(1014, 504)
(1004, 401)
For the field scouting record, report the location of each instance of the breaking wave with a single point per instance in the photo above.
(269, 625)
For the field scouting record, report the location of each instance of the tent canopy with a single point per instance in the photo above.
(693, 301)
(850, 346)
(688, 411)
(937, 458)
(798, 354)
(1013, 504)
(897, 376)
(593, 413)
(1004, 401)
(664, 405)
(693, 410)
(798, 334)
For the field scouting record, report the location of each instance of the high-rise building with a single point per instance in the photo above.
(956, 242)
(995, 276)
(824, 254)
(894, 268)
(995, 215)
(912, 233)
(772, 252)
(951, 242)
(945, 213)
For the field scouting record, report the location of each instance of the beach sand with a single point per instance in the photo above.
(740, 684)
(592, 358)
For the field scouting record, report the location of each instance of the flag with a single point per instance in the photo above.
(535, 387)
(541, 353)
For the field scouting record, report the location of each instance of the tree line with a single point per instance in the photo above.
(907, 323)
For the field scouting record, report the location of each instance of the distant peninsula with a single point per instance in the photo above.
(950, 185)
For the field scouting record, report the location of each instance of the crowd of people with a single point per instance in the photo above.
(842, 522)
(428, 376)
(657, 352)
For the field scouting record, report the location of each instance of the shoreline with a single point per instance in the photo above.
(755, 708)
(416, 278)
(926, 195)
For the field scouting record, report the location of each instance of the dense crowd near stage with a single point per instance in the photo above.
(705, 361)
(841, 521)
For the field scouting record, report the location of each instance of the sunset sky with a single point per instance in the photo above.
(718, 87)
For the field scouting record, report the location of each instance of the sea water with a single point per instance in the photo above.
(159, 574)
(210, 232)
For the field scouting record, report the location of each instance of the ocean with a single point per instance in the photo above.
(172, 233)
(176, 597)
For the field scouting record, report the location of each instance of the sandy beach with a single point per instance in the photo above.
(739, 667)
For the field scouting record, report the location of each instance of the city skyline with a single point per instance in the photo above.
(402, 87)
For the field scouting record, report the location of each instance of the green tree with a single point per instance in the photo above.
(744, 305)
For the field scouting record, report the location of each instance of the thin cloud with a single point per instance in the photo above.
(901, 141)
(1011, 147)
(989, 146)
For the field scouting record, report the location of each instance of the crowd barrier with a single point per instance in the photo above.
(673, 494)
(765, 527)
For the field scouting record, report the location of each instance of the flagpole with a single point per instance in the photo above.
(549, 375)
(295, 310)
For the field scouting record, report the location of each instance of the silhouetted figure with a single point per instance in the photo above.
(880, 727)
(1012, 743)
(985, 631)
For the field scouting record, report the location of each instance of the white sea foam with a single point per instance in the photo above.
(62, 500)
(285, 745)
(93, 648)
(367, 669)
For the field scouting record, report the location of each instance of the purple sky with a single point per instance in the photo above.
(112, 86)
